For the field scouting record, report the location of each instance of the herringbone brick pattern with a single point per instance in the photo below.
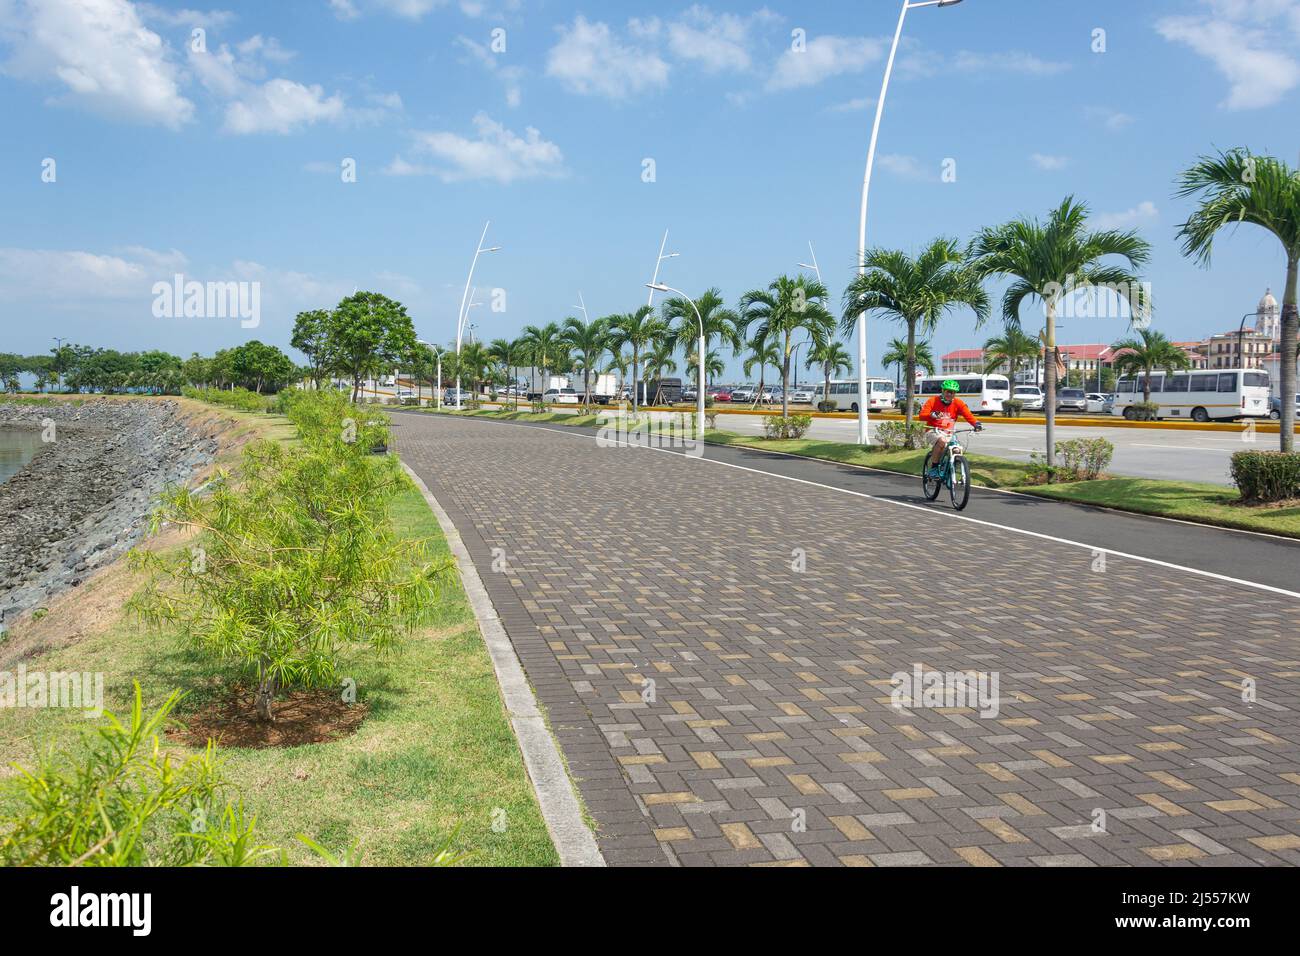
(715, 651)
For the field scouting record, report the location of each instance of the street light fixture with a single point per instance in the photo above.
(701, 357)
(658, 262)
(818, 272)
(460, 316)
(863, 429)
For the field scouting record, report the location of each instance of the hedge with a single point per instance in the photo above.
(1266, 475)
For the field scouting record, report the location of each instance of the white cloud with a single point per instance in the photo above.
(1043, 161)
(590, 60)
(275, 106)
(822, 58)
(904, 167)
(1113, 120)
(1250, 42)
(344, 9)
(854, 105)
(185, 19)
(99, 55)
(718, 42)
(1010, 62)
(496, 153)
(511, 77)
(1143, 212)
(55, 275)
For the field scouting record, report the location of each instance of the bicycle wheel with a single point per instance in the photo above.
(930, 486)
(959, 488)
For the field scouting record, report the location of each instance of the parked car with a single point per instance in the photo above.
(720, 393)
(690, 393)
(1031, 395)
(449, 396)
(1275, 407)
(744, 393)
(1071, 400)
(560, 396)
(1096, 402)
(772, 393)
(801, 396)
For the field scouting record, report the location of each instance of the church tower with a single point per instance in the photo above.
(1268, 318)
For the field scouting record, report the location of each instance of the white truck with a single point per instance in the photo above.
(536, 384)
(604, 388)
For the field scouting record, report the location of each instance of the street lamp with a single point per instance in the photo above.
(658, 262)
(817, 272)
(701, 357)
(863, 430)
(460, 317)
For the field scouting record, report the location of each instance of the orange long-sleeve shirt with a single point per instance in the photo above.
(938, 415)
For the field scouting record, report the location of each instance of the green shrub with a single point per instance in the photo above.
(1144, 412)
(297, 558)
(894, 435)
(1266, 475)
(785, 427)
(1084, 458)
(128, 802)
(240, 399)
(826, 406)
(1012, 407)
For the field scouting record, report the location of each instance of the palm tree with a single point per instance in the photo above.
(1047, 260)
(1236, 187)
(639, 330)
(503, 352)
(831, 357)
(762, 353)
(1011, 348)
(896, 354)
(785, 307)
(475, 360)
(1151, 350)
(542, 346)
(659, 360)
(917, 292)
(589, 340)
(713, 363)
(720, 323)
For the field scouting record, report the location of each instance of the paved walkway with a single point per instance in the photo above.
(715, 649)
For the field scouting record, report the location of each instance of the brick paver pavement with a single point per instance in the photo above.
(717, 705)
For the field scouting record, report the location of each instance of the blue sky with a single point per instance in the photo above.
(224, 164)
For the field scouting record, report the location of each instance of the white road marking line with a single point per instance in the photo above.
(1177, 447)
(953, 516)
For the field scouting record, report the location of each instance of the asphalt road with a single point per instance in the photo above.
(1171, 454)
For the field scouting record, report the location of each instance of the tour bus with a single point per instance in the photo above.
(983, 393)
(1198, 395)
(845, 394)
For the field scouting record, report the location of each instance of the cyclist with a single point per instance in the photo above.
(940, 415)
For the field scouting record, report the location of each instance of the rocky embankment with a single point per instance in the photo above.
(86, 495)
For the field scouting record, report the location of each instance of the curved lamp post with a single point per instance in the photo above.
(701, 357)
(863, 431)
(460, 317)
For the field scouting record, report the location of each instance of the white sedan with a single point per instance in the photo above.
(560, 396)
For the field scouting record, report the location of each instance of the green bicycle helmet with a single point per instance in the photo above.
(951, 386)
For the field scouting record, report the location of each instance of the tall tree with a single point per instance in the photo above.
(367, 330)
(588, 341)
(785, 307)
(659, 359)
(1238, 187)
(637, 330)
(917, 292)
(1146, 352)
(544, 348)
(720, 323)
(830, 357)
(1010, 349)
(1047, 261)
(311, 338)
(896, 354)
(762, 353)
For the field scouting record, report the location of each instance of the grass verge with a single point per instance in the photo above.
(436, 752)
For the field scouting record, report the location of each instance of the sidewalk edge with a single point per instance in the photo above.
(573, 839)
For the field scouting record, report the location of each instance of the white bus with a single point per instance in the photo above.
(846, 394)
(983, 393)
(1198, 395)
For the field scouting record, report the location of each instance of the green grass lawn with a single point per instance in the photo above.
(435, 753)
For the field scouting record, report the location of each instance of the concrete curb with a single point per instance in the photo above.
(559, 804)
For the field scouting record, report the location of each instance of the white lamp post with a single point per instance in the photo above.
(658, 262)
(460, 317)
(701, 358)
(864, 433)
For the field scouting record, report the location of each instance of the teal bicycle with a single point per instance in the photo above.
(954, 473)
